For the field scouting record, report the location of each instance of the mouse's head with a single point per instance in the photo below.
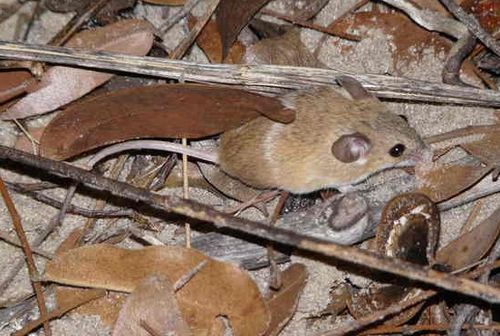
(379, 139)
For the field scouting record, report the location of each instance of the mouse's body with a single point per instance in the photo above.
(334, 142)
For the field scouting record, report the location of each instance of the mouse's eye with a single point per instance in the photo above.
(397, 150)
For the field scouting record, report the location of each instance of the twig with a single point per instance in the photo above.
(463, 132)
(203, 212)
(406, 329)
(5, 236)
(354, 325)
(16, 221)
(327, 30)
(188, 6)
(181, 49)
(87, 297)
(72, 208)
(473, 25)
(185, 278)
(457, 54)
(262, 77)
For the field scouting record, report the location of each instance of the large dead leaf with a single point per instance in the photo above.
(232, 16)
(162, 111)
(471, 246)
(218, 289)
(441, 182)
(60, 85)
(13, 83)
(152, 304)
(283, 303)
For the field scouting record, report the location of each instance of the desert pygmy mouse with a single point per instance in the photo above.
(334, 142)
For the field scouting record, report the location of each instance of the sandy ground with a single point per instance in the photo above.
(372, 55)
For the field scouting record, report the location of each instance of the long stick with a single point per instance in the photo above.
(261, 77)
(275, 234)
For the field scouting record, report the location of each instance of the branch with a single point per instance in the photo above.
(257, 77)
(221, 220)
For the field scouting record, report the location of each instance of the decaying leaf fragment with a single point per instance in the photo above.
(160, 111)
(408, 230)
(232, 16)
(14, 83)
(61, 85)
(283, 303)
(471, 246)
(443, 181)
(152, 303)
(217, 289)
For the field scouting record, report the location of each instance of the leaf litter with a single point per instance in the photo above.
(443, 181)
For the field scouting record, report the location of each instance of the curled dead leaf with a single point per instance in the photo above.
(471, 246)
(232, 16)
(61, 85)
(14, 83)
(443, 181)
(218, 289)
(160, 111)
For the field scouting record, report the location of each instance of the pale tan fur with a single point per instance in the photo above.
(297, 157)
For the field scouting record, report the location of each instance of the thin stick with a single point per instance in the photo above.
(170, 203)
(463, 132)
(181, 49)
(185, 190)
(261, 77)
(188, 6)
(13, 241)
(16, 221)
(87, 297)
(327, 30)
(474, 26)
(406, 329)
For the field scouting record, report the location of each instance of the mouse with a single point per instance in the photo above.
(334, 142)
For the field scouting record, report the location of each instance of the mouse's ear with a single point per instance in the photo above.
(351, 147)
(355, 89)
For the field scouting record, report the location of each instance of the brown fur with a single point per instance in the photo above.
(297, 157)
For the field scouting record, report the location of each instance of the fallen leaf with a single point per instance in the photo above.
(106, 307)
(60, 85)
(14, 83)
(487, 12)
(472, 245)
(218, 289)
(24, 143)
(152, 303)
(232, 16)
(443, 181)
(486, 149)
(209, 40)
(283, 303)
(161, 111)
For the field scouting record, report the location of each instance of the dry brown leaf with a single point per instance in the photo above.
(486, 150)
(210, 42)
(443, 181)
(61, 85)
(471, 246)
(152, 303)
(161, 111)
(107, 307)
(13, 83)
(24, 143)
(283, 303)
(232, 16)
(218, 289)
(166, 2)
